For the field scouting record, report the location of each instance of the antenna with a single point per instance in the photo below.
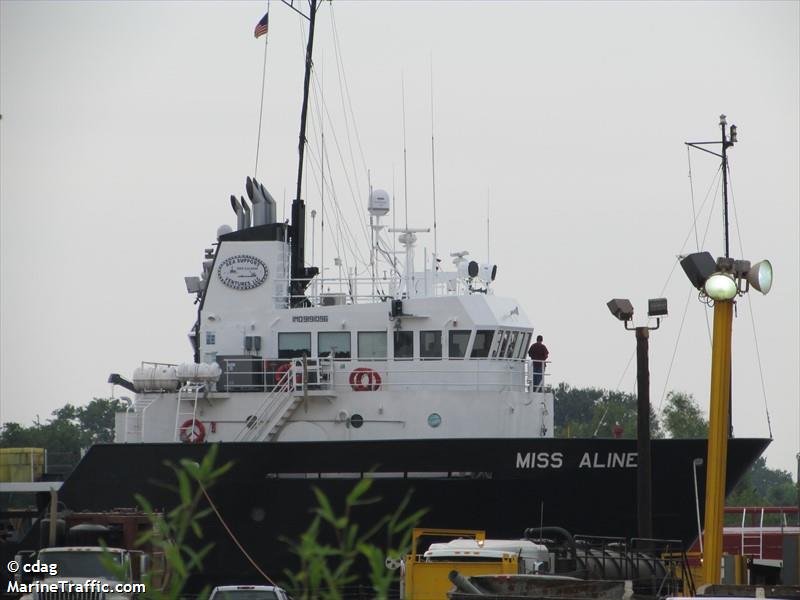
(322, 177)
(488, 212)
(405, 161)
(726, 143)
(433, 175)
(302, 275)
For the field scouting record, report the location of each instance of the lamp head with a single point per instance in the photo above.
(657, 307)
(621, 308)
(760, 276)
(720, 287)
(699, 267)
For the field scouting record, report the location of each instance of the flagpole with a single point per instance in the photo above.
(261, 104)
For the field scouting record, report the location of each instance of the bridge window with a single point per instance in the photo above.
(482, 343)
(523, 345)
(498, 340)
(371, 344)
(430, 344)
(458, 341)
(512, 344)
(403, 344)
(333, 342)
(501, 349)
(294, 345)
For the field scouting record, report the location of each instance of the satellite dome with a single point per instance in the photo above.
(379, 203)
(223, 230)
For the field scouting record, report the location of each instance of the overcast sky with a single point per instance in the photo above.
(127, 125)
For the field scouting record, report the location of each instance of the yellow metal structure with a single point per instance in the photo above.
(21, 465)
(717, 458)
(429, 580)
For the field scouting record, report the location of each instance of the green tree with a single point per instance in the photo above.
(763, 486)
(71, 430)
(682, 417)
(596, 412)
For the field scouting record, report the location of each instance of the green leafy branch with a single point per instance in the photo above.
(325, 568)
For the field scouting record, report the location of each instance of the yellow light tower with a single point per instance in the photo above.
(720, 282)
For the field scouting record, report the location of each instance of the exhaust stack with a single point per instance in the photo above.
(237, 208)
(246, 210)
(270, 204)
(258, 201)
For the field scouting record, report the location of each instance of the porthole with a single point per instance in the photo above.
(258, 514)
(250, 421)
(356, 421)
(434, 419)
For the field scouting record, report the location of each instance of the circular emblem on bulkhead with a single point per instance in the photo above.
(242, 272)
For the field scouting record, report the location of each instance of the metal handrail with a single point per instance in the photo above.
(490, 375)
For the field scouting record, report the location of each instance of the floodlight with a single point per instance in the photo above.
(621, 308)
(193, 284)
(760, 276)
(657, 307)
(699, 267)
(740, 268)
(721, 286)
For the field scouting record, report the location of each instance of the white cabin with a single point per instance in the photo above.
(390, 354)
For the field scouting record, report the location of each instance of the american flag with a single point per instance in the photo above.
(263, 26)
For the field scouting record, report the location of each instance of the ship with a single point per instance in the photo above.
(417, 378)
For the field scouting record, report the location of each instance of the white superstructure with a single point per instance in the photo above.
(391, 354)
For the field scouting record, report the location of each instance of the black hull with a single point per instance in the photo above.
(587, 486)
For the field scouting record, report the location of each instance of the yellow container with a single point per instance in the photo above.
(429, 581)
(20, 465)
(425, 580)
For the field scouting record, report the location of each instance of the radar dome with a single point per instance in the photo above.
(223, 230)
(379, 203)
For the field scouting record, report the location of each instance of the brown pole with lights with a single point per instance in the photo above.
(622, 309)
(644, 486)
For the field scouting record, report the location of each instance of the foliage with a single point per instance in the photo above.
(72, 429)
(170, 534)
(595, 412)
(763, 486)
(326, 568)
(579, 410)
(682, 417)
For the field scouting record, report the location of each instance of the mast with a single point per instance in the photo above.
(300, 273)
(723, 123)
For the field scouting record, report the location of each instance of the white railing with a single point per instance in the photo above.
(462, 374)
(303, 375)
(368, 290)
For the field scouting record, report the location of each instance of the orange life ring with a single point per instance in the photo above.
(298, 378)
(364, 379)
(281, 370)
(193, 432)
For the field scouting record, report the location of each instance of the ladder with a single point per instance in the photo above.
(273, 413)
(134, 419)
(186, 411)
(753, 540)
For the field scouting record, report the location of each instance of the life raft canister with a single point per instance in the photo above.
(193, 432)
(364, 379)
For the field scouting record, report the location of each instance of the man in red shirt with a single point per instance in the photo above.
(538, 354)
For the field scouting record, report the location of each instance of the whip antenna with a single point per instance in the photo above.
(405, 161)
(261, 29)
(433, 179)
